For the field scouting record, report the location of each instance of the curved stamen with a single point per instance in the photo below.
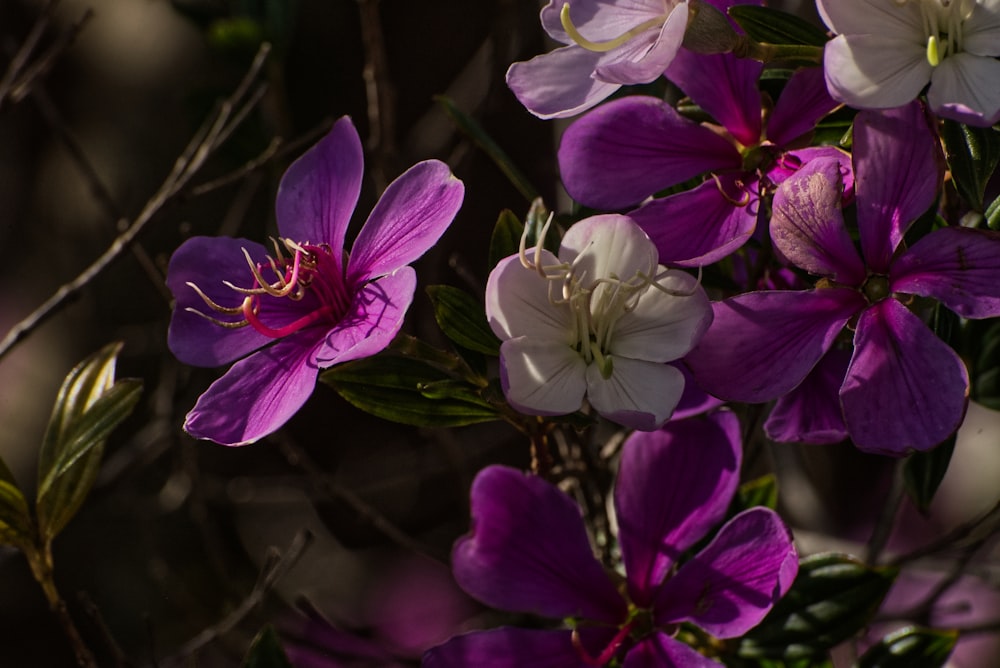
(229, 310)
(250, 313)
(605, 656)
(281, 288)
(743, 201)
(603, 47)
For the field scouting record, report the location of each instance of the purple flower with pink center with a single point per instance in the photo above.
(307, 305)
(903, 388)
(631, 148)
(528, 551)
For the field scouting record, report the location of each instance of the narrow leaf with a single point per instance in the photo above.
(463, 319)
(266, 651)
(992, 215)
(924, 471)
(911, 647)
(506, 239)
(776, 27)
(833, 597)
(973, 155)
(15, 520)
(762, 491)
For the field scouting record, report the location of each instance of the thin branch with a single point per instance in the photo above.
(954, 539)
(211, 135)
(381, 95)
(887, 518)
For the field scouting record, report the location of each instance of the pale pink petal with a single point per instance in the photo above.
(964, 88)
(542, 376)
(559, 84)
(875, 71)
(602, 20)
(644, 58)
(519, 302)
(811, 412)
(638, 395)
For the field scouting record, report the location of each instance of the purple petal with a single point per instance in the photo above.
(958, 266)
(673, 486)
(905, 389)
(811, 412)
(318, 193)
(763, 344)
(409, 218)
(528, 551)
(703, 225)
(506, 648)
(725, 86)
(730, 586)
(803, 102)
(791, 161)
(661, 651)
(559, 84)
(258, 394)
(374, 319)
(633, 147)
(807, 224)
(963, 88)
(898, 168)
(644, 57)
(695, 400)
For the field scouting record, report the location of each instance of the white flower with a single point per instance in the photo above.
(599, 322)
(886, 51)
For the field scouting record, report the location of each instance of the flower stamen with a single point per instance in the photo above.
(608, 45)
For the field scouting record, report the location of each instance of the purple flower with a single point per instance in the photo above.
(309, 305)
(528, 551)
(629, 149)
(904, 388)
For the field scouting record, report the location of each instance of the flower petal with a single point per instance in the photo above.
(695, 400)
(519, 303)
(673, 485)
(872, 16)
(661, 651)
(512, 648)
(702, 225)
(875, 71)
(958, 266)
(409, 218)
(981, 31)
(258, 394)
(728, 587)
(665, 324)
(905, 389)
(318, 193)
(811, 412)
(632, 147)
(608, 245)
(559, 84)
(374, 319)
(644, 57)
(541, 376)
(602, 20)
(807, 224)
(763, 344)
(638, 395)
(898, 168)
(963, 88)
(803, 102)
(528, 551)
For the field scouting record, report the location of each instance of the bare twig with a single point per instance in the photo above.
(887, 518)
(965, 535)
(118, 656)
(381, 95)
(211, 135)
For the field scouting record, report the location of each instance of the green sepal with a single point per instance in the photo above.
(393, 388)
(762, 491)
(911, 647)
(773, 26)
(15, 518)
(462, 319)
(834, 596)
(89, 406)
(506, 238)
(924, 471)
(973, 154)
(266, 651)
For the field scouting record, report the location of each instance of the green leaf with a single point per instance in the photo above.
(973, 155)
(992, 215)
(463, 319)
(776, 27)
(266, 651)
(393, 388)
(924, 471)
(911, 647)
(15, 519)
(506, 239)
(832, 598)
(89, 406)
(762, 491)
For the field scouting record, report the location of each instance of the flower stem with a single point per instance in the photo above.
(766, 53)
(40, 560)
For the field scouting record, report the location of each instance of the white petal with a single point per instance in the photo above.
(875, 72)
(640, 395)
(872, 17)
(517, 303)
(610, 245)
(542, 377)
(966, 88)
(981, 32)
(664, 327)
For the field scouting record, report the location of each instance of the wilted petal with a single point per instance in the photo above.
(519, 302)
(792, 161)
(730, 586)
(703, 225)
(898, 168)
(258, 394)
(638, 395)
(763, 344)
(964, 88)
(559, 83)
(661, 651)
(807, 224)
(803, 102)
(528, 551)
(409, 218)
(664, 326)
(905, 389)
(673, 485)
(958, 266)
(630, 148)
(875, 71)
(541, 376)
(319, 191)
(811, 412)
(506, 648)
(725, 86)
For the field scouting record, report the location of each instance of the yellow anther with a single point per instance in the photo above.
(933, 55)
(602, 47)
